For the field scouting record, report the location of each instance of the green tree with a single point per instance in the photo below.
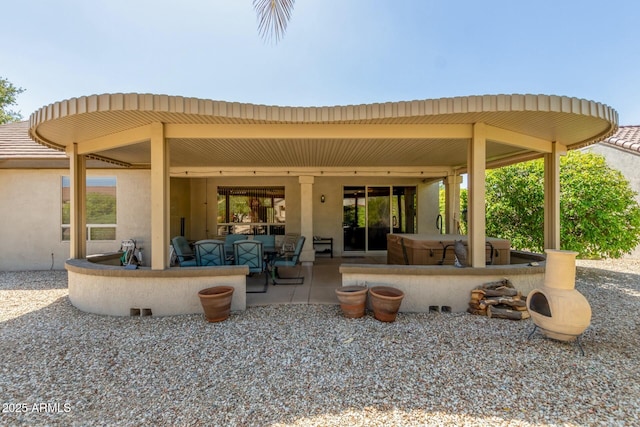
(599, 216)
(515, 204)
(8, 93)
(463, 209)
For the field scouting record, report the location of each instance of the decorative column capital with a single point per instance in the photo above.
(304, 179)
(453, 179)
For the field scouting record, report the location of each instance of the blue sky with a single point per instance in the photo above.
(335, 52)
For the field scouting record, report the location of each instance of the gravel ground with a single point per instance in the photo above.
(306, 365)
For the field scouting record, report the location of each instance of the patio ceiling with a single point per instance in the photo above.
(214, 135)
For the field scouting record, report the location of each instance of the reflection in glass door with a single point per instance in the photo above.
(403, 210)
(378, 210)
(353, 222)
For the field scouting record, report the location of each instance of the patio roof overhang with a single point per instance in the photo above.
(176, 136)
(412, 137)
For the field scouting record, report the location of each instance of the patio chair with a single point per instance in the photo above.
(210, 253)
(289, 242)
(186, 257)
(289, 259)
(250, 253)
(228, 243)
(268, 240)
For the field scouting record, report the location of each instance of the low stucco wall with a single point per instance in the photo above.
(425, 286)
(112, 290)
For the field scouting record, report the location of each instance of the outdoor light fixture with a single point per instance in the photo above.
(322, 199)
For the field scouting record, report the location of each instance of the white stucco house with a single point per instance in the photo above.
(327, 160)
(85, 173)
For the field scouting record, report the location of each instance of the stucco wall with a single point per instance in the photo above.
(440, 286)
(428, 208)
(30, 208)
(180, 195)
(134, 212)
(110, 290)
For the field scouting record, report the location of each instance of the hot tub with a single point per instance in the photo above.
(435, 249)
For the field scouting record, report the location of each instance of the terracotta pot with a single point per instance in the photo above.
(385, 302)
(216, 302)
(352, 300)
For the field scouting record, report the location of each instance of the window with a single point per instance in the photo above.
(101, 208)
(251, 210)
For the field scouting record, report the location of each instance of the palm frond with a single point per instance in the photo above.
(273, 17)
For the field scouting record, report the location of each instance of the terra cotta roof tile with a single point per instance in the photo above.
(627, 138)
(15, 143)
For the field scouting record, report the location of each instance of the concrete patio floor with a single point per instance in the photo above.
(320, 281)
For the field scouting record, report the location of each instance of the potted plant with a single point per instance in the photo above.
(385, 302)
(216, 302)
(352, 300)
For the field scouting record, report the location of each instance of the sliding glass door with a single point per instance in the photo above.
(354, 219)
(372, 212)
(378, 219)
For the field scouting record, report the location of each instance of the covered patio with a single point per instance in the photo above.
(320, 281)
(313, 150)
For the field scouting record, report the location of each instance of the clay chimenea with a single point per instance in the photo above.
(558, 309)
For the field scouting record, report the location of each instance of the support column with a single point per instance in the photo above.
(452, 203)
(78, 203)
(159, 198)
(477, 217)
(552, 196)
(306, 217)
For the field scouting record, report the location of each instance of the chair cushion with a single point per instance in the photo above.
(188, 263)
(283, 262)
(249, 253)
(181, 246)
(210, 252)
(230, 239)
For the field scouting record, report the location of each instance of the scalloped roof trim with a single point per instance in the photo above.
(236, 110)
